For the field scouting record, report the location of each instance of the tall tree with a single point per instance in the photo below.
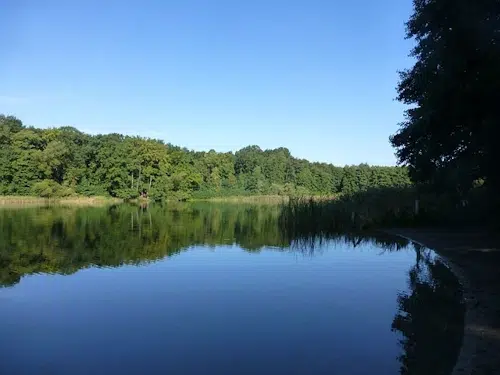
(449, 136)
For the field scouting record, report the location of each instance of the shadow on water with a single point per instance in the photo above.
(430, 314)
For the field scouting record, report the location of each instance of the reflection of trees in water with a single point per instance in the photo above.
(63, 240)
(430, 318)
(312, 244)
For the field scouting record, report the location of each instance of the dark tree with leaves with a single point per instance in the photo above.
(449, 137)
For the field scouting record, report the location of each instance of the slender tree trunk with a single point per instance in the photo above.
(139, 179)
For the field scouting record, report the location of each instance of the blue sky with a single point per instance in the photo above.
(317, 77)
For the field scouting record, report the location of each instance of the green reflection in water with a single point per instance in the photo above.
(64, 240)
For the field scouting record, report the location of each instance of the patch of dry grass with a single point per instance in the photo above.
(26, 201)
(264, 199)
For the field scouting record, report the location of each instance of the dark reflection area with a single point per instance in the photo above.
(430, 317)
(63, 240)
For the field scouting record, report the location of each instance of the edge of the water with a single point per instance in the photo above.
(469, 344)
(28, 201)
(474, 350)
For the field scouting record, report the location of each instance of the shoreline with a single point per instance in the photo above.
(271, 198)
(11, 201)
(473, 256)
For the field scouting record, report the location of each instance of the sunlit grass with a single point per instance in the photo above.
(378, 208)
(27, 201)
(270, 199)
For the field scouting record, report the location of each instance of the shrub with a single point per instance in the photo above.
(126, 193)
(88, 189)
(50, 189)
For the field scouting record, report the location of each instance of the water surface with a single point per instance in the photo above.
(216, 289)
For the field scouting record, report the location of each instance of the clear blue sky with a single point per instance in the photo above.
(317, 77)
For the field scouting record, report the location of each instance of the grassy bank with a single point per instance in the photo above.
(381, 208)
(269, 199)
(304, 217)
(27, 201)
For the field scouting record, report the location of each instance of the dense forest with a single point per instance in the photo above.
(63, 161)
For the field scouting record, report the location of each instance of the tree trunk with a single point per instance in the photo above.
(139, 179)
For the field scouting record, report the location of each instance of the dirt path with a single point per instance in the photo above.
(474, 256)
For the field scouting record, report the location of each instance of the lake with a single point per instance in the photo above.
(216, 289)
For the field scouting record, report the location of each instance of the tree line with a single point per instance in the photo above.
(64, 161)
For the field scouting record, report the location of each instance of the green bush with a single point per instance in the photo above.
(51, 189)
(127, 193)
(65, 191)
(89, 190)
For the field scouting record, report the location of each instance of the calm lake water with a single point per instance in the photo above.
(216, 289)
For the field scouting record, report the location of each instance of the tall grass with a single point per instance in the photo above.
(27, 201)
(269, 199)
(378, 208)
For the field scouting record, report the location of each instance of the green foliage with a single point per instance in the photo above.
(41, 162)
(126, 193)
(85, 187)
(50, 189)
(9, 125)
